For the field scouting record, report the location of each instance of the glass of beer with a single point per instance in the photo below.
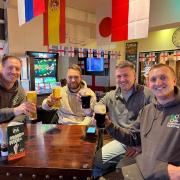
(100, 114)
(56, 91)
(31, 96)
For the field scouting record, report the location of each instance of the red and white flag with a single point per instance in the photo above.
(130, 19)
(3, 48)
(164, 56)
(50, 48)
(81, 52)
(152, 56)
(71, 51)
(176, 55)
(61, 50)
(98, 53)
(105, 54)
(90, 52)
(112, 54)
(103, 23)
(142, 57)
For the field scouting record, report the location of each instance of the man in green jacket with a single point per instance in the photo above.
(157, 130)
(12, 95)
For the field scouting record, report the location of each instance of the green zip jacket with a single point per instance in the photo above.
(157, 130)
(10, 99)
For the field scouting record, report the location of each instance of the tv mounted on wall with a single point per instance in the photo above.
(94, 66)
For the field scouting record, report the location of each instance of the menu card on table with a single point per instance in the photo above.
(15, 137)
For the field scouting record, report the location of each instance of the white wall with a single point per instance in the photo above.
(164, 14)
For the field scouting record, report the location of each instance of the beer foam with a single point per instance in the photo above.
(100, 109)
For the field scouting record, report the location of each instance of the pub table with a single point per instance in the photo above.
(52, 152)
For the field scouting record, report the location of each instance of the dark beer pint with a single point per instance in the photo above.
(86, 101)
(100, 113)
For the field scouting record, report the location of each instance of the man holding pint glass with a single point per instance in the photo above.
(123, 106)
(13, 103)
(74, 102)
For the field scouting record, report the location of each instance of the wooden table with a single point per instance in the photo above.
(52, 152)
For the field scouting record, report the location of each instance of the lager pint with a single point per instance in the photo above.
(56, 91)
(32, 97)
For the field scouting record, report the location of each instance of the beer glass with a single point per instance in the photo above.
(56, 91)
(86, 101)
(31, 96)
(100, 114)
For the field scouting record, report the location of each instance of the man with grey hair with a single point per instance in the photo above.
(123, 106)
(71, 111)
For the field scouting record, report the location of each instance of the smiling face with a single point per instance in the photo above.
(74, 79)
(162, 82)
(125, 78)
(11, 70)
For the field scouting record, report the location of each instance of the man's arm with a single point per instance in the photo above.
(128, 136)
(6, 114)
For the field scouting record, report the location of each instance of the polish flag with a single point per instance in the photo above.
(130, 19)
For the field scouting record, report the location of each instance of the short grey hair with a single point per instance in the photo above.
(124, 64)
(6, 57)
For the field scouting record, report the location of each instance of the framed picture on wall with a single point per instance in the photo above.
(131, 52)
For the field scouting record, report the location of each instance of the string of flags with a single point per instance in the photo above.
(3, 48)
(83, 52)
(162, 56)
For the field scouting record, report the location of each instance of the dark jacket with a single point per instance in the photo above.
(10, 99)
(157, 130)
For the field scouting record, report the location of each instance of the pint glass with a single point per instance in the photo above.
(56, 91)
(100, 114)
(31, 96)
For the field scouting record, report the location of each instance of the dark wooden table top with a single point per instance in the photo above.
(52, 150)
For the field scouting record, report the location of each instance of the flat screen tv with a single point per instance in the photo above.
(94, 66)
(45, 67)
(49, 79)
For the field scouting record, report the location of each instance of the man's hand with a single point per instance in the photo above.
(51, 100)
(107, 121)
(132, 151)
(25, 108)
(174, 172)
(82, 92)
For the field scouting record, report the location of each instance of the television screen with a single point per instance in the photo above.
(49, 79)
(94, 65)
(38, 80)
(45, 67)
